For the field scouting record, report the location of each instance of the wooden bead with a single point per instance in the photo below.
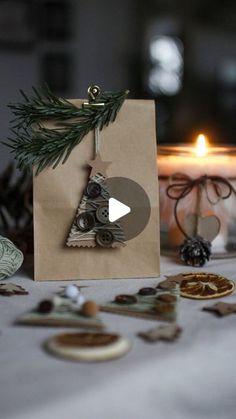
(89, 308)
(45, 307)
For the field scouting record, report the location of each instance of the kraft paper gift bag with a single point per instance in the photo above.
(129, 144)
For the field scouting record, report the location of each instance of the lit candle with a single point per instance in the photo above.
(196, 161)
(201, 159)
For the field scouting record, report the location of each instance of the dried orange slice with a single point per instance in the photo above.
(88, 347)
(202, 285)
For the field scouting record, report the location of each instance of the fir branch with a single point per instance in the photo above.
(34, 145)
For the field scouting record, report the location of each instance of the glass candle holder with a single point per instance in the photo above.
(200, 185)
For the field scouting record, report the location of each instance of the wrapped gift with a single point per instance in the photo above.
(72, 239)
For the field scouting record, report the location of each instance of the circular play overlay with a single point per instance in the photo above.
(134, 196)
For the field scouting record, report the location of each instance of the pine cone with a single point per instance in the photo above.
(195, 251)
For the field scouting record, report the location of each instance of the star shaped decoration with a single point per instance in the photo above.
(166, 333)
(221, 309)
(98, 166)
(175, 278)
(12, 289)
(171, 281)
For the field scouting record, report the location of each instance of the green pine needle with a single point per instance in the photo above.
(34, 145)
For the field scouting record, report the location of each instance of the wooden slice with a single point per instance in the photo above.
(202, 286)
(88, 347)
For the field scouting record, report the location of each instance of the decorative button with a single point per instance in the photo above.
(93, 189)
(147, 291)
(85, 221)
(126, 299)
(102, 214)
(167, 298)
(104, 238)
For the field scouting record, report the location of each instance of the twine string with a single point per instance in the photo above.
(198, 206)
(97, 140)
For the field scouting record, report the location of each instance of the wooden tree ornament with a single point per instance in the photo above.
(91, 226)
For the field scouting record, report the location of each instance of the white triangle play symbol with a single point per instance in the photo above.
(117, 210)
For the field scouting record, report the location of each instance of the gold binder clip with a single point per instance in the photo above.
(94, 92)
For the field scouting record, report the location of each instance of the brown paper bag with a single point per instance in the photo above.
(130, 144)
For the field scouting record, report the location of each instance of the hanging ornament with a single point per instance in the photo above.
(91, 226)
(198, 231)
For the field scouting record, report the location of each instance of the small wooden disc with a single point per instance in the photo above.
(88, 347)
(202, 286)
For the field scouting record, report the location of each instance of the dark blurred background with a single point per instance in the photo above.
(181, 53)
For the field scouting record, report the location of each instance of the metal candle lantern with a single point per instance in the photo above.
(198, 195)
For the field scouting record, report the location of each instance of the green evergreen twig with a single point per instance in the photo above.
(41, 147)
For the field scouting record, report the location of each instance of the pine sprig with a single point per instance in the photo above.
(34, 145)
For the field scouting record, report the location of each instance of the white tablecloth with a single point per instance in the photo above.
(193, 378)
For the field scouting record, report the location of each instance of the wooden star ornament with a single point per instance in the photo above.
(166, 333)
(171, 281)
(98, 166)
(221, 309)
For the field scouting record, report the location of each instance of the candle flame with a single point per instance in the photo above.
(201, 146)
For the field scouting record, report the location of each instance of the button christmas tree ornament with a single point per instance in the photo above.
(149, 303)
(69, 309)
(91, 226)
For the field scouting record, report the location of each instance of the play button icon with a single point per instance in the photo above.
(117, 210)
(123, 202)
(128, 203)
